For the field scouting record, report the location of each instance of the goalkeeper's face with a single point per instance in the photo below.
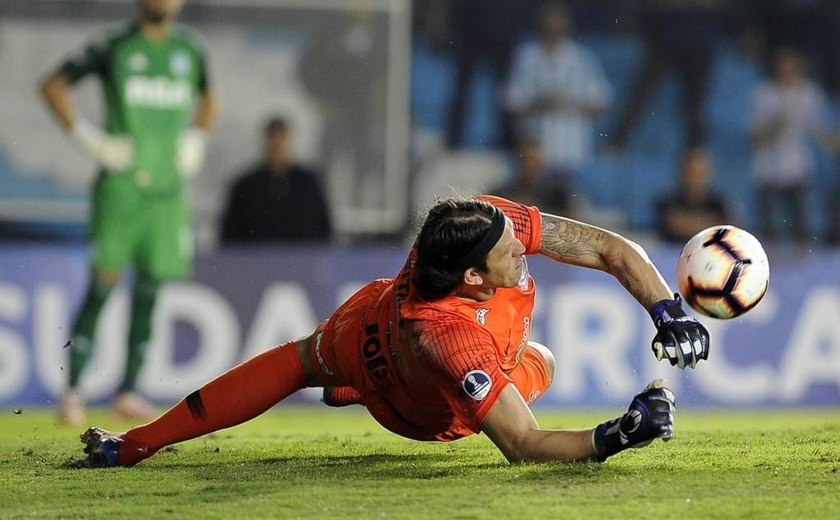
(505, 261)
(160, 10)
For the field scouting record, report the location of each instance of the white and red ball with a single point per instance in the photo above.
(723, 272)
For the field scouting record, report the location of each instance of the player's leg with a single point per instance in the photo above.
(164, 253)
(71, 408)
(245, 391)
(238, 395)
(113, 232)
(534, 373)
(338, 396)
(128, 404)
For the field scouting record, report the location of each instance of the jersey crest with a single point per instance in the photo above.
(481, 315)
(477, 384)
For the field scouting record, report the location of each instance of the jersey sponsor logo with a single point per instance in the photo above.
(477, 384)
(481, 315)
(138, 62)
(180, 63)
(157, 92)
(375, 362)
(526, 332)
(524, 276)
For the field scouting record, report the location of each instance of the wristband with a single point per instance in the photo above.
(664, 311)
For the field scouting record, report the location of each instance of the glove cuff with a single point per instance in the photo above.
(196, 133)
(664, 311)
(85, 131)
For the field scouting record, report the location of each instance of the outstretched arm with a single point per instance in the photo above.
(55, 91)
(573, 242)
(514, 430)
(679, 338)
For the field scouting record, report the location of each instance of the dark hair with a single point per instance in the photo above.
(276, 124)
(451, 229)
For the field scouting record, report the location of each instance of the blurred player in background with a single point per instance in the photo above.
(441, 351)
(152, 72)
(692, 206)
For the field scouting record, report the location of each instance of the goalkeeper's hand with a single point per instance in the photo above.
(114, 153)
(191, 149)
(650, 416)
(681, 339)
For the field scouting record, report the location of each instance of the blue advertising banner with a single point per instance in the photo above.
(785, 352)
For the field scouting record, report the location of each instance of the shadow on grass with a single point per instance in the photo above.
(328, 469)
(331, 468)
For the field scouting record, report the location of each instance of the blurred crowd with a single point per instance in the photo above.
(557, 110)
(569, 116)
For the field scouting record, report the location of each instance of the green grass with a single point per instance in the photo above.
(333, 464)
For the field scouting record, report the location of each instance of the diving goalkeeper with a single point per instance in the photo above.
(442, 351)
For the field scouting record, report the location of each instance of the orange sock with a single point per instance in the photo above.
(242, 393)
(341, 396)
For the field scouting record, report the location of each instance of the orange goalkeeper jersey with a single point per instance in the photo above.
(437, 367)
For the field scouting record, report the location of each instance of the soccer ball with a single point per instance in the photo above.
(723, 272)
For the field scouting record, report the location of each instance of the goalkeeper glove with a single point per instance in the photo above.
(191, 150)
(114, 153)
(650, 416)
(680, 338)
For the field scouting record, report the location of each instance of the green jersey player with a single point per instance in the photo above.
(158, 109)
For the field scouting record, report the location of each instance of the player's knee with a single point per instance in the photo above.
(304, 350)
(548, 357)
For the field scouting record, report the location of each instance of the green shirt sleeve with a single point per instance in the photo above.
(91, 60)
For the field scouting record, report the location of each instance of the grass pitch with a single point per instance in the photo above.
(334, 464)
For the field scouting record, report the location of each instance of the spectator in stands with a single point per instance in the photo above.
(680, 37)
(692, 207)
(557, 88)
(531, 185)
(276, 200)
(786, 115)
(482, 30)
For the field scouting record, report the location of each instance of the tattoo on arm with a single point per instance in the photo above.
(572, 242)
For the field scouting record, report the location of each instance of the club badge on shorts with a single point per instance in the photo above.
(477, 384)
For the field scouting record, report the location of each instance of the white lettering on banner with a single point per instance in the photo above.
(49, 337)
(813, 355)
(601, 351)
(14, 371)
(741, 384)
(215, 322)
(284, 314)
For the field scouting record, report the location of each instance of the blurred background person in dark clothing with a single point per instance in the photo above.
(680, 36)
(531, 184)
(483, 30)
(692, 207)
(276, 200)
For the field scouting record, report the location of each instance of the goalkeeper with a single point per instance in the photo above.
(442, 351)
(154, 79)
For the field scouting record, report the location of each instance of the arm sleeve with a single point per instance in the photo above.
(465, 368)
(233, 218)
(93, 59)
(203, 71)
(527, 222)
